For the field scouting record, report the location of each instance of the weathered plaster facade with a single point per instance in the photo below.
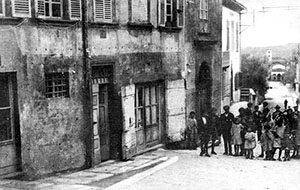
(147, 71)
(203, 46)
(53, 136)
(231, 51)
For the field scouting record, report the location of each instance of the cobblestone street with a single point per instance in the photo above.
(221, 172)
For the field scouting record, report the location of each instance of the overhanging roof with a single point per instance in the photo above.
(234, 5)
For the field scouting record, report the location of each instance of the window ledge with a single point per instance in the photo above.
(141, 25)
(169, 29)
(10, 20)
(203, 33)
(103, 25)
(55, 22)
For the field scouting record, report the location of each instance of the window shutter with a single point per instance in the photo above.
(161, 17)
(103, 10)
(180, 12)
(108, 10)
(40, 8)
(1, 7)
(21, 8)
(75, 9)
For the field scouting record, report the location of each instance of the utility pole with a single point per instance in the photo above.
(87, 118)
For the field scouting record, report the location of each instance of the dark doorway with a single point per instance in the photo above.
(9, 127)
(204, 87)
(101, 85)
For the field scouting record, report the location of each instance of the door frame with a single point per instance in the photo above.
(160, 113)
(96, 159)
(13, 90)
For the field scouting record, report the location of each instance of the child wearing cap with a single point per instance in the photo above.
(236, 135)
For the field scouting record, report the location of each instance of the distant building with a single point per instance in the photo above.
(269, 55)
(279, 67)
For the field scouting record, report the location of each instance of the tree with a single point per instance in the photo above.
(254, 74)
(290, 75)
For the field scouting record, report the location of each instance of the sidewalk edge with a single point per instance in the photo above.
(140, 176)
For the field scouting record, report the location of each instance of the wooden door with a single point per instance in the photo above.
(104, 123)
(176, 111)
(152, 115)
(8, 160)
(148, 131)
(101, 123)
(129, 141)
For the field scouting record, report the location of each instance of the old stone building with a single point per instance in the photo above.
(148, 63)
(203, 55)
(135, 98)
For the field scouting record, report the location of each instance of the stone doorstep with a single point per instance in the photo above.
(89, 176)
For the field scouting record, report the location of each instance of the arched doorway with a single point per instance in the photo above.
(204, 87)
(279, 77)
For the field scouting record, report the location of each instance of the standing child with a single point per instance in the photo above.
(266, 141)
(236, 135)
(250, 143)
(192, 131)
(278, 132)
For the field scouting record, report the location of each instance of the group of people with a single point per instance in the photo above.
(274, 130)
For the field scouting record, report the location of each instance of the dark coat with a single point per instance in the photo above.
(226, 123)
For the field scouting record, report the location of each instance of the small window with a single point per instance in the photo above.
(227, 35)
(103, 10)
(21, 8)
(139, 11)
(169, 10)
(171, 13)
(57, 85)
(237, 36)
(2, 7)
(50, 8)
(75, 9)
(204, 9)
(233, 41)
(146, 105)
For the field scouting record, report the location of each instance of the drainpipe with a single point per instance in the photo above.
(87, 118)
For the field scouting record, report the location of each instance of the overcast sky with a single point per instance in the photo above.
(275, 26)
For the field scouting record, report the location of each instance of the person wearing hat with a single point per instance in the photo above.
(285, 104)
(257, 120)
(226, 120)
(265, 113)
(248, 110)
(277, 113)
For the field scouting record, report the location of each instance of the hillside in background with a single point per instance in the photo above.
(284, 51)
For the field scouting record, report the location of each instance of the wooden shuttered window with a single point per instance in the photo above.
(75, 9)
(21, 8)
(40, 8)
(180, 12)
(172, 12)
(103, 10)
(2, 2)
(162, 13)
